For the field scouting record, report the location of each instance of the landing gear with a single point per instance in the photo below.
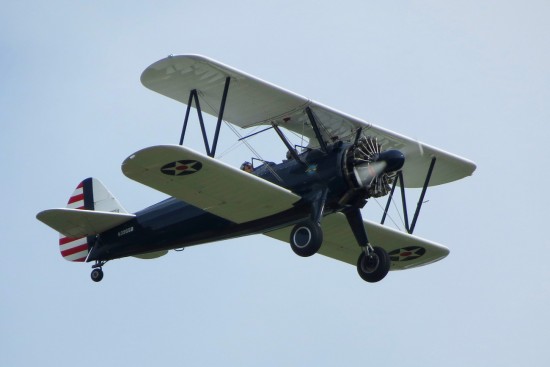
(373, 264)
(97, 272)
(306, 238)
(97, 275)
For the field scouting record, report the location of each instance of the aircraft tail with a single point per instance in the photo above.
(90, 194)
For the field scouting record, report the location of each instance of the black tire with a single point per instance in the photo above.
(375, 268)
(97, 275)
(306, 238)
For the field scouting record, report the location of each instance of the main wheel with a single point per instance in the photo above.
(306, 238)
(375, 267)
(97, 275)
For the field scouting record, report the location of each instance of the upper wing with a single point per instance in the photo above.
(76, 223)
(252, 101)
(406, 251)
(207, 183)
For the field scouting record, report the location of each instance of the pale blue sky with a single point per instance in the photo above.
(470, 77)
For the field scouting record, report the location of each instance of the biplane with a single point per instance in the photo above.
(312, 199)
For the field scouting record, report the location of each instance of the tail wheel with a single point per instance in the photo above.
(374, 267)
(97, 275)
(306, 238)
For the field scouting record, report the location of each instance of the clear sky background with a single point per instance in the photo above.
(470, 77)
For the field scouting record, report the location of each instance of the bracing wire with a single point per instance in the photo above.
(401, 216)
(388, 215)
(246, 143)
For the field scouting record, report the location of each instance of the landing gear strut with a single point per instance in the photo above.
(97, 272)
(374, 262)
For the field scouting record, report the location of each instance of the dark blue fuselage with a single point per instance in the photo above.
(173, 223)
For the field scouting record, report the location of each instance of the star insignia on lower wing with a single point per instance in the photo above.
(407, 253)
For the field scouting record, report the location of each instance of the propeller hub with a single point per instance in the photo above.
(394, 160)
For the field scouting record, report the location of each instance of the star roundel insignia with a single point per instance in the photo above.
(407, 253)
(181, 168)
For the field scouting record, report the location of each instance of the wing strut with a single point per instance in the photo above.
(194, 97)
(409, 228)
(291, 150)
(318, 135)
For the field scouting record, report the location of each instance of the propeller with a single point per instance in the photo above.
(374, 169)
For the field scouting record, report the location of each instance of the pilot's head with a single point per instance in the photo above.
(247, 167)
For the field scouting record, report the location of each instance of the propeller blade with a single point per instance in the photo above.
(367, 173)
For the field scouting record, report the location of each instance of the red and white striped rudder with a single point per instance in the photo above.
(90, 194)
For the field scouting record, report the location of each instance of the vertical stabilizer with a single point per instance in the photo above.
(90, 194)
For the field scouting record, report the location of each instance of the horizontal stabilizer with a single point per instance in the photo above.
(77, 223)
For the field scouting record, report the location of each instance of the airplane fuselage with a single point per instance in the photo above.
(173, 223)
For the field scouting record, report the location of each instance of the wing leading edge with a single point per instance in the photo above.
(252, 101)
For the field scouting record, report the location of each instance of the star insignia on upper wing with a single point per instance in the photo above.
(181, 168)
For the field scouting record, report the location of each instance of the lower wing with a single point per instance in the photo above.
(406, 251)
